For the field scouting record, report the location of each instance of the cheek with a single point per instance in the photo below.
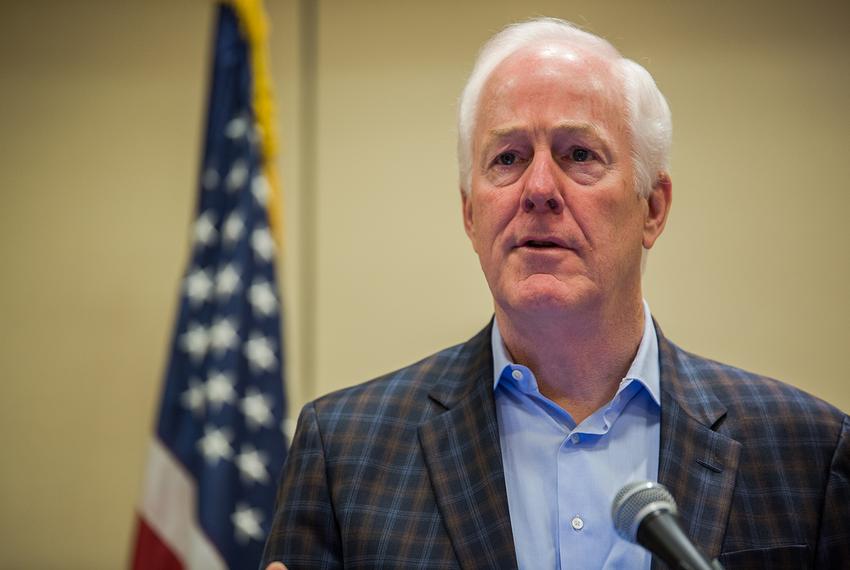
(484, 229)
(608, 216)
(493, 209)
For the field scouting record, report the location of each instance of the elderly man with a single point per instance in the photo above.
(507, 450)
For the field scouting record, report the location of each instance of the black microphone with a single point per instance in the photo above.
(645, 513)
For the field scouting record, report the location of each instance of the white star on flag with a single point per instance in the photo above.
(193, 398)
(220, 390)
(260, 189)
(260, 353)
(252, 465)
(262, 298)
(223, 336)
(237, 176)
(257, 409)
(236, 127)
(227, 281)
(195, 341)
(263, 243)
(233, 228)
(287, 427)
(247, 523)
(199, 285)
(215, 444)
(205, 231)
(209, 181)
(255, 135)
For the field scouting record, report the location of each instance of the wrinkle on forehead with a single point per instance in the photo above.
(591, 76)
(567, 127)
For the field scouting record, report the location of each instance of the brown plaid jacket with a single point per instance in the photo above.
(405, 471)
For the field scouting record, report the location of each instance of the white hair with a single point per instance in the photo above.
(648, 115)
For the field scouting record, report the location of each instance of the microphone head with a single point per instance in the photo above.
(636, 500)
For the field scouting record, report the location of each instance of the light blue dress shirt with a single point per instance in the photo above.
(561, 477)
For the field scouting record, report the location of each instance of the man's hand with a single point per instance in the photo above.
(276, 566)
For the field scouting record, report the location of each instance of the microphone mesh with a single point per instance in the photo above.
(632, 499)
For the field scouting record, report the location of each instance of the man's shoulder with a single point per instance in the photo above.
(748, 396)
(404, 393)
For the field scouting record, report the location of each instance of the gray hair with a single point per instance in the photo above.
(648, 115)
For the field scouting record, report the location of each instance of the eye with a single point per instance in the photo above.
(580, 154)
(506, 159)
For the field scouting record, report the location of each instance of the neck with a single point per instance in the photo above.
(579, 357)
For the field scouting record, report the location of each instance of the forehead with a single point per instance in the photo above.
(538, 88)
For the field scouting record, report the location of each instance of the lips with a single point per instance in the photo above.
(542, 242)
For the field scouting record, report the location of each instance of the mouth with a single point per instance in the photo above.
(542, 243)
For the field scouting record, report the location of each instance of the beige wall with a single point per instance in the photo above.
(101, 105)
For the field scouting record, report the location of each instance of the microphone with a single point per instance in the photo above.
(645, 513)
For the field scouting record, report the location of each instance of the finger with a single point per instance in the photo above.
(276, 566)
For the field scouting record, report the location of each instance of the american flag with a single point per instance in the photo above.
(219, 444)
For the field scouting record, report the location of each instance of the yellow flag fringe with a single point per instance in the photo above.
(254, 25)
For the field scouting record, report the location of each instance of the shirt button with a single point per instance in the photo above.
(575, 438)
(517, 375)
(577, 523)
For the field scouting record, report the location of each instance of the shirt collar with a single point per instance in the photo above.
(644, 368)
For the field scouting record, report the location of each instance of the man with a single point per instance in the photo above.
(507, 450)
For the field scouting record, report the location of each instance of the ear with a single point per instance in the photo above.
(468, 224)
(658, 206)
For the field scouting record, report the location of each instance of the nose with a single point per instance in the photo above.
(542, 191)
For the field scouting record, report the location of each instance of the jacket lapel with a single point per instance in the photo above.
(697, 463)
(462, 453)
(464, 460)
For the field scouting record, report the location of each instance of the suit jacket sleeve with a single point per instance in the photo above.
(833, 550)
(304, 532)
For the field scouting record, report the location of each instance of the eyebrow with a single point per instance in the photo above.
(569, 127)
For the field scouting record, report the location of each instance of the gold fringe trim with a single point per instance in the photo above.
(255, 29)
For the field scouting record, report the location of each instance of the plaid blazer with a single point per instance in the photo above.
(405, 471)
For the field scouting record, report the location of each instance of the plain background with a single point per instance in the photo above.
(101, 109)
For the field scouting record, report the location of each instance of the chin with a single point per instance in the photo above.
(544, 292)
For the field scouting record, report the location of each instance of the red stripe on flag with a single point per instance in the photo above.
(151, 552)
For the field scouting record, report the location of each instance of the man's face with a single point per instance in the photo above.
(552, 211)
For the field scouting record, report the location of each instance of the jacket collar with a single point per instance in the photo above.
(464, 460)
(697, 462)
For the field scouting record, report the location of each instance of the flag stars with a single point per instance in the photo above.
(219, 389)
(223, 336)
(215, 445)
(194, 397)
(252, 465)
(237, 176)
(255, 134)
(237, 127)
(233, 228)
(246, 522)
(223, 397)
(260, 353)
(199, 286)
(210, 179)
(195, 341)
(260, 189)
(262, 298)
(205, 232)
(227, 281)
(257, 409)
(263, 243)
